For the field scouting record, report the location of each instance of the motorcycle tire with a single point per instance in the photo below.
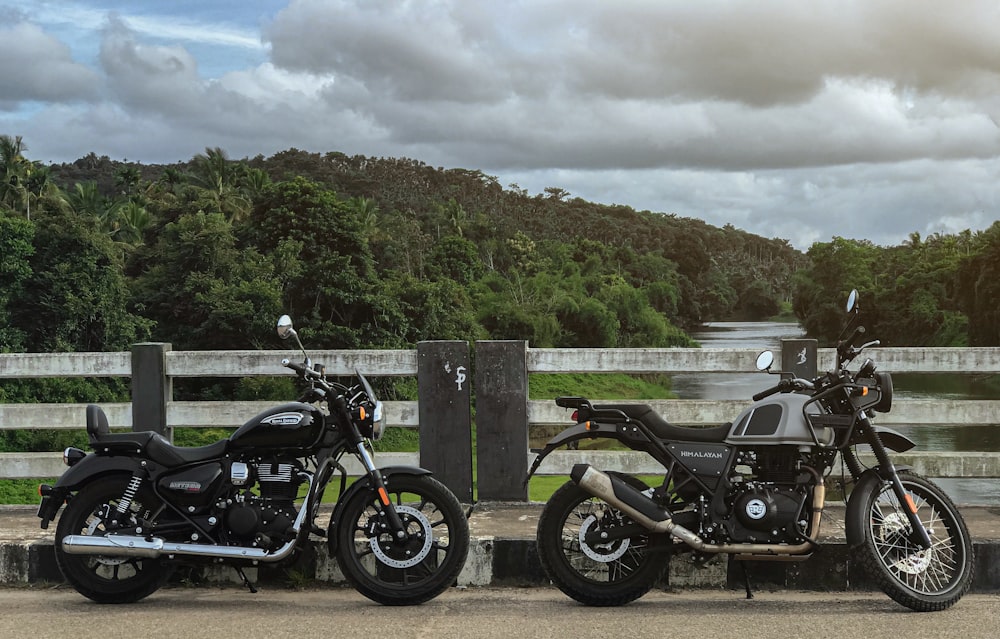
(922, 580)
(94, 511)
(609, 574)
(415, 570)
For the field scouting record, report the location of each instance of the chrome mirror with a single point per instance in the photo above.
(852, 301)
(765, 360)
(285, 329)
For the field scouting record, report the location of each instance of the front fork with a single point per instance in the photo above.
(395, 523)
(887, 471)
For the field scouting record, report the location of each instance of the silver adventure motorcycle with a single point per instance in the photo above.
(754, 489)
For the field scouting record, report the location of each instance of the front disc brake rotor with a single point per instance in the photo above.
(894, 528)
(408, 552)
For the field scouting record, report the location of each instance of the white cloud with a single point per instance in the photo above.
(789, 119)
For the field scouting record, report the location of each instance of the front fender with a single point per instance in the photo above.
(854, 515)
(855, 518)
(894, 440)
(362, 484)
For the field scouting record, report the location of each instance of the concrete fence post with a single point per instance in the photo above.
(444, 388)
(152, 390)
(502, 420)
(799, 358)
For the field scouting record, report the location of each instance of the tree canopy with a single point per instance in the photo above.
(385, 252)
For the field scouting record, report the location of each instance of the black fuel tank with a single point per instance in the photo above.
(292, 425)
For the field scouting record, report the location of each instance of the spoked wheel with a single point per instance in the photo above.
(595, 572)
(95, 511)
(412, 570)
(920, 579)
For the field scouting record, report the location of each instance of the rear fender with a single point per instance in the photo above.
(583, 430)
(364, 484)
(76, 476)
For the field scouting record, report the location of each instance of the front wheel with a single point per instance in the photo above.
(920, 579)
(591, 571)
(101, 508)
(409, 571)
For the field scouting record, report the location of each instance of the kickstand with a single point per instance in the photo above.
(246, 581)
(746, 579)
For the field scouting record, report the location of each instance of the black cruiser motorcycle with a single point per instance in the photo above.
(138, 506)
(754, 489)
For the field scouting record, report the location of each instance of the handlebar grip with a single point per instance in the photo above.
(301, 369)
(767, 393)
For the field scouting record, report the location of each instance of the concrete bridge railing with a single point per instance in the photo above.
(448, 387)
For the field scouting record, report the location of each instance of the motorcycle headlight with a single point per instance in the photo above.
(369, 421)
(378, 425)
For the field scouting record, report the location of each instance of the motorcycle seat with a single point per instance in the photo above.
(150, 443)
(665, 430)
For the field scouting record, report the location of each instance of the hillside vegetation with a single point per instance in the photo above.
(382, 252)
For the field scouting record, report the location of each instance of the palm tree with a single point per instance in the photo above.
(214, 173)
(133, 220)
(13, 171)
(86, 200)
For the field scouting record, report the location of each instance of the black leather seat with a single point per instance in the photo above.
(665, 430)
(152, 444)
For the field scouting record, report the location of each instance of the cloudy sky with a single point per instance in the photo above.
(800, 120)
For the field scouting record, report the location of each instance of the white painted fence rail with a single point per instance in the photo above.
(375, 363)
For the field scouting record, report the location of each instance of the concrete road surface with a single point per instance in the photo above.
(510, 613)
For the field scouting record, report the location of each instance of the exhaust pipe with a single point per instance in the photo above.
(645, 512)
(134, 546)
(153, 547)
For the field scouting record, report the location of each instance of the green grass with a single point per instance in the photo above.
(21, 491)
(600, 386)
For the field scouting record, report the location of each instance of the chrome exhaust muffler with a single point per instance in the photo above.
(645, 512)
(153, 547)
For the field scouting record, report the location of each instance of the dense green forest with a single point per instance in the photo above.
(383, 252)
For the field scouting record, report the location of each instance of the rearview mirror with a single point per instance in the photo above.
(765, 360)
(852, 301)
(285, 329)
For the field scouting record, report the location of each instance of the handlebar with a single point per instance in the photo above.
(770, 391)
(846, 345)
(301, 369)
(784, 386)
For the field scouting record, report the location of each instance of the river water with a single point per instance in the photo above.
(768, 336)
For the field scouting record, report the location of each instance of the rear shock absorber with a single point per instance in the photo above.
(126, 501)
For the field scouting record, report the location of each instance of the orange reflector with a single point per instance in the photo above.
(909, 502)
(589, 425)
(361, 411)
(384, 496)
(864, 391)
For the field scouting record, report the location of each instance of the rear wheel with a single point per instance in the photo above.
(920, 579)
(410, 571)
(94, 510)
(608, 573)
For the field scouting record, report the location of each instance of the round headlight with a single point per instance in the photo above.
(378, 425)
